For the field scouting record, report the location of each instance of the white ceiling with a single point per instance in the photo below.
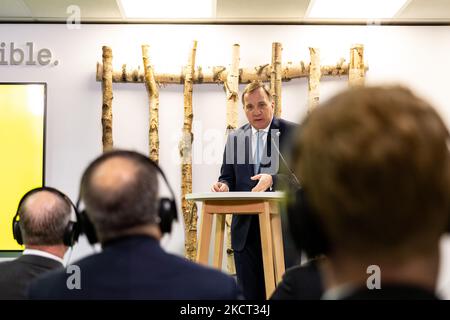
(238, 11)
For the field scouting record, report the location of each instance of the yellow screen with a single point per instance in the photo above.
(22, 110)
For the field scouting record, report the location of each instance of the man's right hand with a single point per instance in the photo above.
(220, 187)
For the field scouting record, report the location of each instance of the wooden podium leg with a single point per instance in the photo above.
(205, 236)
(277, 236)
(267, 251)
(218, 243)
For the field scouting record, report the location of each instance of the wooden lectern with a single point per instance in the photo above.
(264, 204)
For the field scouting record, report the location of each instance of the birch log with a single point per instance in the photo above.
(356, 69)
(188, 207)
(275, 77)
(107, 137)
(314, 79)
(232, 91)
(153, 94)
(219, 74)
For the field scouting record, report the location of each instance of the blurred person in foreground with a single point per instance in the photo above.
(374, 164)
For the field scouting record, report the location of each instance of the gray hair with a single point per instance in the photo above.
(254, 85)
(44, 225)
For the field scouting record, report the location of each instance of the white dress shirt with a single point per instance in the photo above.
(338, 292)
(42, 254)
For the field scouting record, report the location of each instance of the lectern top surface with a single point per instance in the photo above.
(200, 196)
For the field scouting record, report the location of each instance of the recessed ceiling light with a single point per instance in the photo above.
(354, 9)
(168, 9)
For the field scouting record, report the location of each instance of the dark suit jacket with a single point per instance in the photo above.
(16, 275)
(300, 283)
(238, 167)
(137, 268)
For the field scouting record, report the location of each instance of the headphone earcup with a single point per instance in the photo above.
(17, 232)
(69, 234)
(167, 214)
(86, 227)
(305, 226)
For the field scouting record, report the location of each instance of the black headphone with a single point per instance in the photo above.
(72, 230)
(305, 226)
(167, 210)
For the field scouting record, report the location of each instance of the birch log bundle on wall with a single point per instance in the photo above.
(153, 94)
(189, 208)
(107, 137)
(230, 78)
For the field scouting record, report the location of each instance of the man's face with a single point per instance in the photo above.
(258, 108)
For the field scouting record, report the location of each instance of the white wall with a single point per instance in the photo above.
(415, 56)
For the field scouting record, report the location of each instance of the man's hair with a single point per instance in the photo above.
(44, 225)
(254, 85)
(375, 165)
(116, 208)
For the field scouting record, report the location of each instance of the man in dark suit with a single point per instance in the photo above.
(120, 193)
(44, 216)
(375, 167)
(251, 162)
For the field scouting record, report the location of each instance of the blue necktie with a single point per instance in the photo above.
(259, 147)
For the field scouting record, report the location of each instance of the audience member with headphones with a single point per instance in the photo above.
(42, 224)
(119, 191)
(374, 165)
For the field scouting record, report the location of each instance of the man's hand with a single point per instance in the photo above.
(265, 182)
(220, 187)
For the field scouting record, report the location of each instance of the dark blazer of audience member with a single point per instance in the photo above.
(43, 216)
(302, 282)
(120, 193)
(375, 166)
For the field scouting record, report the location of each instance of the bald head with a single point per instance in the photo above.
(114, 175)
(119, 190)
(44, 216)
